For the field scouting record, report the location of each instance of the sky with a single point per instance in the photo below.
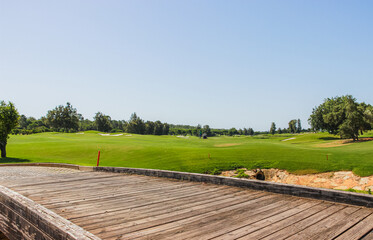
(222, 63)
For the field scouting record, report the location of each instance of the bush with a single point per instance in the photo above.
(241, 173)
(215, 171)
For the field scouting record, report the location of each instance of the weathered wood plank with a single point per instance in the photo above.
(330, 231)
(205, 228)
(368, 236)
(253, 223)
(164, 202)
(135, 213)
(181, 217)
(257, 230)
(288, 231)
(359, 230)
(123, 206)
(120, 197)
(328, 223)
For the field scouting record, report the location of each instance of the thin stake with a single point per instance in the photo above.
(98, 158)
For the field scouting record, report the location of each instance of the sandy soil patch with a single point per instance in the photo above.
(341, 180)
(181, 136)
(288, 139)
(344, 142)
(107, 134)
(227, 144)
(337, 143)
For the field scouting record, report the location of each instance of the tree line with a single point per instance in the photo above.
(342, 116)
(294, 127)
(67, 119)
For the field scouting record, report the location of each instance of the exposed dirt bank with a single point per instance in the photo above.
(333, 180)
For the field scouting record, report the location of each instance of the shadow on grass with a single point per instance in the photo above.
(13, 160)
(329, 138)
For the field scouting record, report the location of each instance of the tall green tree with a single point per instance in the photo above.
(9, 117)
(293, 126)
(149, 127)
(103, 122)
(136, 124)
(272, 130)
(251, 132)
(343, 116)
(158, 128)
(166, 129)
(64, 118)
(232, 131)
(299, 126)
(245, 132)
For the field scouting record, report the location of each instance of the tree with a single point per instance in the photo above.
(199, 131)
(166, 129)
(232, 131)
(299, 126)
(158, 128)
(343, 116)
(64, 118)
(250, 131)
(245, 132)
(102, 122)
(135, 125)
(9, 117)
(23, 122)
(149, 127)
(273, 128)
(207, 130)
(293, 126)
(279, 130)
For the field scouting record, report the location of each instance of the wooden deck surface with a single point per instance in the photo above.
(119, 206)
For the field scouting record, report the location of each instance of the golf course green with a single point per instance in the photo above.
(298, 153)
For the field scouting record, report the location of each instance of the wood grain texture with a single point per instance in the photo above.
(124, 206)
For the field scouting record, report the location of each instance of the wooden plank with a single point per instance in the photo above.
(330, 231)
(57, 179)
(197, 216)
(325, 225)
(359, 230)
(191, 214)
(148, 205)
(253, 223)
(369, 236)
(206, 228)
(287, 230)
(259, 229)
(135, 213)
(119, 196)
(86, 181)
(92, 194)
(120, 202)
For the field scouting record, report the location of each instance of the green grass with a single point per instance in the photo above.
(304, 154)
(358, 191)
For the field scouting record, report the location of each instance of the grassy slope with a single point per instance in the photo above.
(300, 155)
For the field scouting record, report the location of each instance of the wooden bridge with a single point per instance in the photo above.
(107, 205)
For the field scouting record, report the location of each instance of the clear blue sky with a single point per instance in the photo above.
(223, 63)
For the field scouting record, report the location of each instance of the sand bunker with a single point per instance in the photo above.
(288, 139)
(344, 142)
(114, 135)
(181, 136)
(337, 143)
(228, 144)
